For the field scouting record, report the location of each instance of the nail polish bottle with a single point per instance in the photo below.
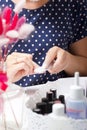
(49, 96)
(49, 107)
(62, 99)
(42, 106)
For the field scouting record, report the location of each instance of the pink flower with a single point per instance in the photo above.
(12, 29)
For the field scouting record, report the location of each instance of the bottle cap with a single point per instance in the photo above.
(62, 99)
(44, 99)
(58, 109)
(76, 91)
(54, 93)
(49, 95)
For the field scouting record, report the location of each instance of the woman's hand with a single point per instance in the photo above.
(56, 60)
(19, 65)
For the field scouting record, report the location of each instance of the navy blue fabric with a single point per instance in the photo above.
(57, 23)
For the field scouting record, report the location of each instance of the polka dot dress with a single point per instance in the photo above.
(57, 23)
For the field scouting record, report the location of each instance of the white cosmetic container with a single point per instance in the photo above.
(57, 117)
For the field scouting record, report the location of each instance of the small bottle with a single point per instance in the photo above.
(62, 99)
(76, 102)
(49, 107)
(49, 96)
(42, 106)
(57, 117)
(58, 109)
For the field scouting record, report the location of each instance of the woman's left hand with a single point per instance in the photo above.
(56, 60)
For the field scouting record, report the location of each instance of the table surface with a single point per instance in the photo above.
(14, 100)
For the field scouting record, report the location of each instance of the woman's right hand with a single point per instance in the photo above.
(19, 65)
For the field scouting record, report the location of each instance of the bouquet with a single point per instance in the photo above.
(12, 29)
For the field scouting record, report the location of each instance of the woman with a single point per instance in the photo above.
(59, 41)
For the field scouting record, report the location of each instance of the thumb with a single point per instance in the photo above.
(49, 59)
